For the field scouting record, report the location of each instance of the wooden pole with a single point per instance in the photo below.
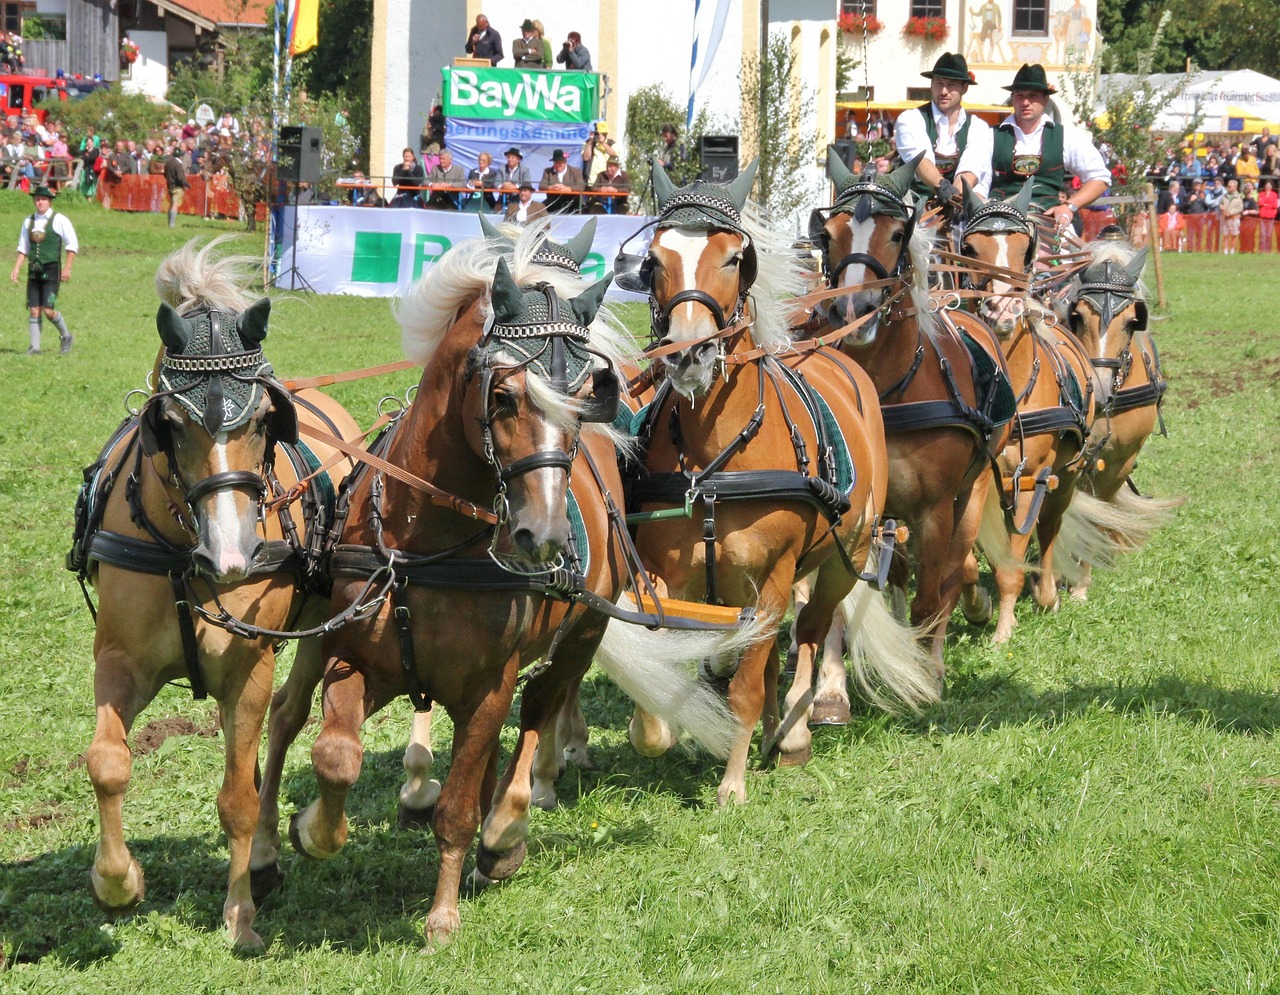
(1154, 226)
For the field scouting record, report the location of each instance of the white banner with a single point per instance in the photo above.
(536, 140)
(380, 252)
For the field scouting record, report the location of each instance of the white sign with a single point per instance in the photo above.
(205, 115)
(380, 252)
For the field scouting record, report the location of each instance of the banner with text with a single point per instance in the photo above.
(372, 252)
(536, 140)
(524, 94)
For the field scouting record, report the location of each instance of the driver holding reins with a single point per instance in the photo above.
(955, 143)
(1029, 143)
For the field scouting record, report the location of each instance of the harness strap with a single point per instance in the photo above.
(408, 662)
(187, 628)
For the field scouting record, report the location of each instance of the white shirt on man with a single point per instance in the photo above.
(911, 137)
(61, 226)
(1079, 155)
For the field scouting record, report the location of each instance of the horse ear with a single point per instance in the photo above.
(740, 188)
(899, 181)
(1022, 202)
(489, 230)
(580, 244)
(587, 304)
(837, 171)
(971, 200)
(252, 325)
(508, 299)
(663, 188)
(173, 328)
(1136, 265)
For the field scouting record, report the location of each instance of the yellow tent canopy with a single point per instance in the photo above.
(991, 113)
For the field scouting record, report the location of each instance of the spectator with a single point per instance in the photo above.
(1173, 229)
(1249, 192)
(613, 180)
(527, 50)
(515, 172)
(1230, 207)
(361, 190)
(446, 174)
(229, 122)
(546, 42)
(574, 54)
(484, 42)
(406, 177)
(484, 178)
(1195, 199)
(524, 209)
(1247, 165)
(175, 181)
(1213, 193)
(1171, 194)
(560, 179)
(673, 154)
(1191, 168)
(1268, 200)
(1210, 169)
(1270, 165)
(596, 151)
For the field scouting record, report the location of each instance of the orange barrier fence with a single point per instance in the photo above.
(147, 193)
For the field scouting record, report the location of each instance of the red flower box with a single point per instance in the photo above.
(856, 24)
(933, 28)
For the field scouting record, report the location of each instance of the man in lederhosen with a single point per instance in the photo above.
(1028, 143)
(956, 145)
(42, 240)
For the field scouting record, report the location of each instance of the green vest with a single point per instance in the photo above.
(946, 164)
(1008, 175)
(48, 250)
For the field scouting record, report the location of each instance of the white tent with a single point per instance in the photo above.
(1235, 100)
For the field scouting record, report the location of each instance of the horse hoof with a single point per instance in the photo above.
(796, 758)
(264, 880)
(133, 891)
(414, 818)
(829, 712)
(979, 614)
(500, 865)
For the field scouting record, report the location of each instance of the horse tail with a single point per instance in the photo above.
(890, 663)
(653, 668)
(993, 533)
(1099, 532)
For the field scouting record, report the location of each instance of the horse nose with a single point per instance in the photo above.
(224, 567)
(536, 548)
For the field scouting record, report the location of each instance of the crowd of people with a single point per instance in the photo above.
(435, 180)
(532, 50)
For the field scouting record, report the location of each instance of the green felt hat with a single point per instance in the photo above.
(1031, 77)
(951, 65)
(43, 191)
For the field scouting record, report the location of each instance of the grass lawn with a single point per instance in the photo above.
(1095, 807)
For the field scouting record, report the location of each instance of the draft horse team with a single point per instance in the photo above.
(839, 428)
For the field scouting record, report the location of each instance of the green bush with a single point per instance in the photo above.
(110, 114)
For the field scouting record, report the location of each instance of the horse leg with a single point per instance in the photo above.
(1080, 589)
(791, 738)
(116, 877)
(799, 596)
(1044, 588)
(975, 600)
(831, 698)
(475, 744)
(933, 539)
(420, 790)
(320, 829)
(290, 708)
(746, 700)
(649, 735)
(243, 705)
(571, 731)
(1009, 583)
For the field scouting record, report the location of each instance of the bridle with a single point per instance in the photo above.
(999, 218)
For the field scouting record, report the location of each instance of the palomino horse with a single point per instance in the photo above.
(494, 566)
(943, 390)
(1108, 314)
(187, 507)
(1051, 379)
(773, 457)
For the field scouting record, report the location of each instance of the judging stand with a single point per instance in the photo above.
(589, 201)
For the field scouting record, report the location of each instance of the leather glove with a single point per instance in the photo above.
(948, 192)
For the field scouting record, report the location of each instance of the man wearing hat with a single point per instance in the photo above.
(41, 242)
(956, 145)
(1029, 143)
(615, 180)
(558, 181)
(527, 49)
(525, 209)
(596, 151)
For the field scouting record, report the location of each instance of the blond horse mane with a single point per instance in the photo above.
(1106, 250)
(193, 277)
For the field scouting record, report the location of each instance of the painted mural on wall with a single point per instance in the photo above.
(1067, 41)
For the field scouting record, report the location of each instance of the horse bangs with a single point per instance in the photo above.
(196, 277)
(1111, 251)
(919, 251)
(780, 275)
(430, 308)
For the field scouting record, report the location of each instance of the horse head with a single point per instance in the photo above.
(528, 386)
(215, 416)
(865, 236)
(699, 269)
(1000, 233)
(1107, 304)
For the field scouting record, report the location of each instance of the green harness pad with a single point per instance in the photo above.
(990, 378)
(326, 496)
(839, 446)
(578, 529)
(1073, 388)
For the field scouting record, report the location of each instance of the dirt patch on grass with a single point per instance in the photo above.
(149, 737)
(1198, 386)
(34, 818)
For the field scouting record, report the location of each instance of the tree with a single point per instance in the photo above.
(340, 66)
(648, 109)
(1214, 34)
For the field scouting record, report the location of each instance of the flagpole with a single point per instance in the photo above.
(693, 62)
(270, 250)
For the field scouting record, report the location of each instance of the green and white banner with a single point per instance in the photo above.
(520, 94)
(380, 252)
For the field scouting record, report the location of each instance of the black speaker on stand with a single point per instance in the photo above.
(719, 155)
(298, 160)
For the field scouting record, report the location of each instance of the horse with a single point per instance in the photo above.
(194, 504)
(943, 389)
(1107, 312)
(495, 566)
(1050, 376)
(761, 463)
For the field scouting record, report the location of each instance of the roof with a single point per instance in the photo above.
(211, 13)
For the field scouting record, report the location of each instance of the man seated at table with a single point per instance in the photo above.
(614, 179)
(446, 173)
(525, 208)
(558, 181)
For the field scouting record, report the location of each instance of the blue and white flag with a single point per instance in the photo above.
(709, 17)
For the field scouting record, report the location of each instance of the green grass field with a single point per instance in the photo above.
(1094, 808)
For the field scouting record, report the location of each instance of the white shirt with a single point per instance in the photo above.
(1079, 156)
(911, 138)
(61, 226)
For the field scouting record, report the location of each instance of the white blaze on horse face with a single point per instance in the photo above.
(860, 236)
(228, 536)
(1004, 311)
(689, 246)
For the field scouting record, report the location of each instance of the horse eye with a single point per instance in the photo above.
(897, 238)
(733, 260)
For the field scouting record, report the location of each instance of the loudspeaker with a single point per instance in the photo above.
(719, 155)
(298, 154)
(847, 150)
